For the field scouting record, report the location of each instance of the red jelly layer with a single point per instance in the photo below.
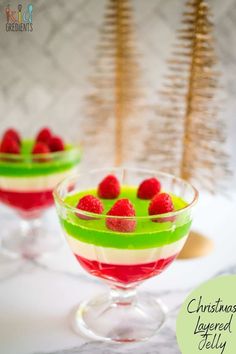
(125, 273)
(27, 201)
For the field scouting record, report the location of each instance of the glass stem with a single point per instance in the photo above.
(123, 296)
(30, 227)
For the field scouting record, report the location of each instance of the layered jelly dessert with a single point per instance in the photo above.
(127, 233)
(31, 168)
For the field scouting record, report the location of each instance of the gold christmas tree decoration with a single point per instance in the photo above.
(114, 105)
(187, 137)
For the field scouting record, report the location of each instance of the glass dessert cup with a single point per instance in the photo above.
(26, 185)
(123, 260)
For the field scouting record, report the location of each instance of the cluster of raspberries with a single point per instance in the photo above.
(109, 188)
(45, 142)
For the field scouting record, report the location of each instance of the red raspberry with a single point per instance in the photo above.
(10, 146)
(161, 204)
(40, 148)
(90, 204)
(122, 207)
(56, 144)
(109, 187)
(44, 136)
(12, 134)
(148, 188)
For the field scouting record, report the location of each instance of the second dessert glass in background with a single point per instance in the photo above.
(26, 183)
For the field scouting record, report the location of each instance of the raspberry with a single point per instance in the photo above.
(44, 136)
(40, 148)
(109, 187)
(10, 146)
(122, 207)
(148, 188)
(12, 134)
(161, 204)
(90, 204)
(56, 144)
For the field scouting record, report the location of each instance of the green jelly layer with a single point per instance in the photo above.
(25, 166)
(147, 234)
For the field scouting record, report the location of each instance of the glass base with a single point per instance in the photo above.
(8, 266)
(30, 240)
(104, 319)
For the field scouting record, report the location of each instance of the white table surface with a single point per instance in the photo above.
(36, 300)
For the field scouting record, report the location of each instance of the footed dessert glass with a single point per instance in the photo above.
(123, 260)
(26, 185)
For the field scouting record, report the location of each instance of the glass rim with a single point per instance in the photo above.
(31, 157)
(65, 181)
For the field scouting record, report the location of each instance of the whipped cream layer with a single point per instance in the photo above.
(116, 256)
(33, 184)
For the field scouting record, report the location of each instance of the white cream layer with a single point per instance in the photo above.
(34, 184)
(124, 256)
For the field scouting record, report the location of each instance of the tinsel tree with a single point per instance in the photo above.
(187, 136)
(114, 105)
